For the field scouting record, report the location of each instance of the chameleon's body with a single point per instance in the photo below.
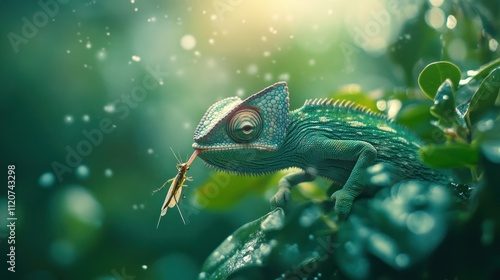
(337, 141)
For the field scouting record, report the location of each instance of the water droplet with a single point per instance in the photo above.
(275, 220)
(312, 62)
(108, 172)
(135, 207)
(188, 42)
(252, 69)
(493, 45)
(82, 171)
(136, 58)
(451, 22)
(110, 108)
(81, 205)
(144, 267)
(284, 77)
(150, 151)
(101, 55)
(268, 76)
(68, 119)
(47, 179)
(88, 45)
(85, 118)
(435, 17)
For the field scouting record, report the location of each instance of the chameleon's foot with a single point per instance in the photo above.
(343, 203)
(280, 198)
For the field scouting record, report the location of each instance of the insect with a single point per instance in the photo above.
(175, 191)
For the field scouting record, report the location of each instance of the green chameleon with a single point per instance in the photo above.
(334, 140)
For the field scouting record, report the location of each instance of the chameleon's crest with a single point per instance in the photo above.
(259, 121)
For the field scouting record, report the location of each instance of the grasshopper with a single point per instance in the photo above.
(175, 191)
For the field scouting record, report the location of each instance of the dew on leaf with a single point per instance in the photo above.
(274, 221)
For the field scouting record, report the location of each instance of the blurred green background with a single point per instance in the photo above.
(137, 77)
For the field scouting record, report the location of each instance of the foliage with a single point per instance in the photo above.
(399, 229)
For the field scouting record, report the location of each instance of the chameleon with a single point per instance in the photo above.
(336, 140)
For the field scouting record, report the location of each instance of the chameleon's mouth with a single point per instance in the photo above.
(200, 148)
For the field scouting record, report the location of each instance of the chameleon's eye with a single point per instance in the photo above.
(244, 125)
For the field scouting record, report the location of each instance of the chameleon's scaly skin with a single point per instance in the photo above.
(333, 140)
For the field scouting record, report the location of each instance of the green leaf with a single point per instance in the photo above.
(485, 69)
(275, 245)
(485, 96)
(444, 103)
(450, 155)
(417, 117)
(434, 74)
(248, 246)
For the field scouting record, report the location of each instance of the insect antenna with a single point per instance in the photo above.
(177, 158)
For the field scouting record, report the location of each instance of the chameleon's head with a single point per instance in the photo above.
(232, 125)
